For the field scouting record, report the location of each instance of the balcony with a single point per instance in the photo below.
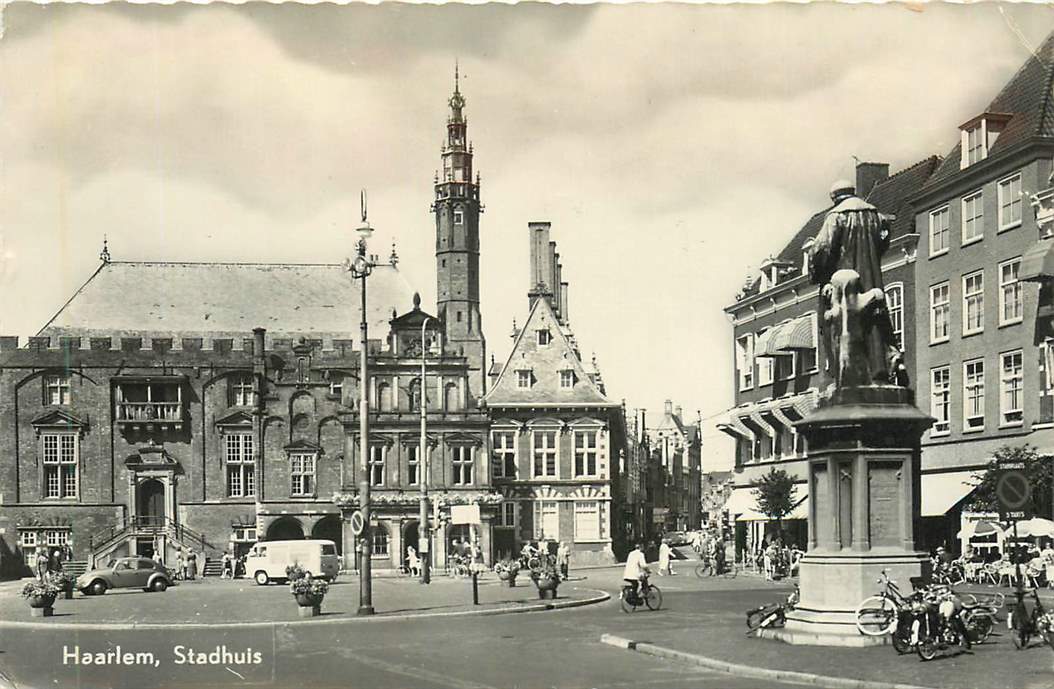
(154, 412)
(149, 402)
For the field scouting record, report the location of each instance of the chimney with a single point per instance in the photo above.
(557, 299)
(669, 407)
(641, 424)
(541, 279)
(258, 346)
(552, 275)
(868, 175)
(563, 301)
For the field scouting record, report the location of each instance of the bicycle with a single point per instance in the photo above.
(644, 594)
(771, 615)
(708, 568)
(1025, 624)
(878, 615)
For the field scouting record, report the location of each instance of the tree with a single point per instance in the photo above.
(775, 495)
(1038, 468)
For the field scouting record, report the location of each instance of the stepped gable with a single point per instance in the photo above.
(228, 298)
(545, 362)
(1027, 98)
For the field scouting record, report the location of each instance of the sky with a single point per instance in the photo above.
(672, 147)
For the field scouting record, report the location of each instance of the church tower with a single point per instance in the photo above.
(457, 210)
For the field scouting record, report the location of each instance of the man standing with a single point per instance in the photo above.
(563, 559)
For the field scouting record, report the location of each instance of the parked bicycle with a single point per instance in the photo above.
(878, 615)
(771, 615)
(644, 594)
(708, 567)
(1025, 623)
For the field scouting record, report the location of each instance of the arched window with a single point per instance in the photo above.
(452, 399)
(384, 397)
(414, 393)
(379, 541)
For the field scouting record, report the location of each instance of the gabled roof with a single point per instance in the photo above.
(56, 418)
(239, 417)
(214, 299)
(1027, 98)
(545, 362)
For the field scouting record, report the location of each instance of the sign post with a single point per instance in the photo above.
(469, 514)
(1014, 493)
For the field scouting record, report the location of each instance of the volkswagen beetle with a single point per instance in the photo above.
(125, 572)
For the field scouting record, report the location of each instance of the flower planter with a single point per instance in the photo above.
(41, 606)
(308, 600)
(547, 588)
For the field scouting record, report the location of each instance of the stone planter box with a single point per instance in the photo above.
(41, 612)
(310, 610)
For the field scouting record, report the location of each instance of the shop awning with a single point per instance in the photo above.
(764, 344)
(1038, 261)
(941, 492)
(798, 334)
(752, 516)
(735, 428)
(741, 501)
(801, 510)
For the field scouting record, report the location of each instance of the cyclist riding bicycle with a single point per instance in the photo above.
(635, 570)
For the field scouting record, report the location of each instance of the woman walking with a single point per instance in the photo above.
(664, 559)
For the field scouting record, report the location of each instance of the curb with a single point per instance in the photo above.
(749, 671)
(176, 626)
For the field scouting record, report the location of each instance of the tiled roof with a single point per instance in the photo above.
(1027, 97)
(545, 363)
(215, 299)
(888, 196)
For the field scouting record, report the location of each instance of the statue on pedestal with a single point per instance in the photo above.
(845, 260)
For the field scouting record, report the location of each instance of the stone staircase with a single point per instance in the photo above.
(75, 567)
(107, 541)
(213, 567)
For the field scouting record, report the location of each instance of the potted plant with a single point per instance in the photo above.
(64, 582)
(547, 579)
(41, 596)
(307, 590)
(507, 570)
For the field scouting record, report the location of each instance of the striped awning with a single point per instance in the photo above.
(795, 335)
(1038, 262)
(735, 428)
(764, 343)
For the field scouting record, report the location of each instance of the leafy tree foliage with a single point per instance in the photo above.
(1038, 468)
(775, 494)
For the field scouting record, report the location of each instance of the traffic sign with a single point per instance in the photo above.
(1013, 490)
(357, 522)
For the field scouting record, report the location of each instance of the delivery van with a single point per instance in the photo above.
(266, 560)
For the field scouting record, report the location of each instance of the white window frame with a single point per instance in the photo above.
(567, 379)
(541, 507)
(501, 451)
(463, 462)
(240, 471)
(969, 147)
(57, 389)
(548, 450)
(766, 366)
(413, 465)
(786, 366)
(584, 451)
(379, 530)
(59, 453)
(523, 379)
(973, 395)
(895, 306)
(241, 390)
(303, 474)
(940, 399)
(1011, 388)
(54, 538)
(543, 334)
(745, 361)
(586, 531)
(942, 213)
(377, 460)
(1010, 287)
(1004, 186)
(942, 308)
(507, 515)
(336, 385)
(459, 217)
(973, 302)
(972, 207)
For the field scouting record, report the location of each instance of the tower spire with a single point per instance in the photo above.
(457, 76)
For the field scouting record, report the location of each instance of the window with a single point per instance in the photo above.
(241, 470)
(973, 395)
(567, 379)
(895, 306)
(384, 397)
(56, 537)
(586, 453)
(544, 337)
(1010, 310)
(60, 464)
(28, 542)
(547, 519)
(543, 444)
(57, 389)
(975, 148)
(302, 473)
(503, 458)
(463, 465)
(523, 379)
(376, 465)
(379, 541)
(765, 366)
(587, 520)
(459, 217)
(745, 361)
(241, 387)
(414, 392)
(336, 385)
(940, 224)
(939, 300)
(785, 367)
(507, 515)
(1010, 202)
(973, 217)
(1011, 383)
(940, 404)
(413, 465)
(244, 534)
(973, 303)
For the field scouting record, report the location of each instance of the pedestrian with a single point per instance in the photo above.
(563, 559)
(413, 563)
(42, 563)
(55, 560)
(180, 564)
(228, 567)
(664, 559)
(68, 551)
(192, 565)
(157, 558)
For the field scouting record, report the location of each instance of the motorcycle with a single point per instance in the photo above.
(938, 626)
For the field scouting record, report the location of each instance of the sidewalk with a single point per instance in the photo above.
(713, 626)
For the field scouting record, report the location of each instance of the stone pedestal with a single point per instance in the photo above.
(41, 612)
(310, 610)
(864, 503)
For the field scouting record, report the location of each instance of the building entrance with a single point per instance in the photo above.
(151, 503)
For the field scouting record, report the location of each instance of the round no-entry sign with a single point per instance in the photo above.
(357, 522)
(1013, 490)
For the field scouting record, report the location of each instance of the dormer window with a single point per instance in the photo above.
(523, 379)
(567, 379)
(978, 136)
(544, 337)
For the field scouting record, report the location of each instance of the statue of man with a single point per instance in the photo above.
(853, 237)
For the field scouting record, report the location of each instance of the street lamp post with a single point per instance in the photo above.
(423, 531)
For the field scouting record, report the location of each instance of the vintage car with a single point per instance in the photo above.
(125, 572)
(677, 538)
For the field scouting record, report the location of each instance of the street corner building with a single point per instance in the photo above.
(967, 276)
(205, 406)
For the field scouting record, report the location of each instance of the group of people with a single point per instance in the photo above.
(1036, 563)
(558, 554)
(186, 564)
(51, 559)
(777, 559)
